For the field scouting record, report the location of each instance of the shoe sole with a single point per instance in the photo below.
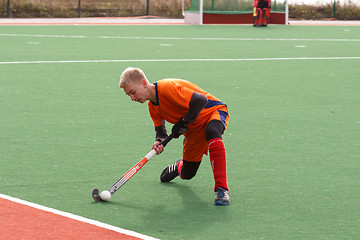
(222, 203)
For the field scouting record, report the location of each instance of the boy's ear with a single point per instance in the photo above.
(144, 82)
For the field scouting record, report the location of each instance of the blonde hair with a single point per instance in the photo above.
(131, 75)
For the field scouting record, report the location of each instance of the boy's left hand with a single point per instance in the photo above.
(179, 128)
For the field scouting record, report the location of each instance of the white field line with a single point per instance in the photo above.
(235, 39)
(78, 218)
(182, 38)
(42, 36)
(184, 60)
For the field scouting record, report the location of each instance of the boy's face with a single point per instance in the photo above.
(137, 91)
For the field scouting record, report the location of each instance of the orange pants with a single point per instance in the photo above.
(195, 143)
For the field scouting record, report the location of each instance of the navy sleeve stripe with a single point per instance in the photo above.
(213, 103)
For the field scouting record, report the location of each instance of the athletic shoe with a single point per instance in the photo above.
(222, 197)
(170, 172)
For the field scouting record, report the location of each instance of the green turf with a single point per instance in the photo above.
(293, 142)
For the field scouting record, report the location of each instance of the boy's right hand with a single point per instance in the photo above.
(158, 147)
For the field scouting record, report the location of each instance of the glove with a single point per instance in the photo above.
(179, 128)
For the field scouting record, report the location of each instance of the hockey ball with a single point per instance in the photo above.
(105, 195)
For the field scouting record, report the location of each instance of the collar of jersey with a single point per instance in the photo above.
(157, 96)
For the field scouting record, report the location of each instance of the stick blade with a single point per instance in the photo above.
(96, 196)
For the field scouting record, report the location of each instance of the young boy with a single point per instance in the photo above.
(201, 117)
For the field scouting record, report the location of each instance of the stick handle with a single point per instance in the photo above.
(152, 153)
(167, 140)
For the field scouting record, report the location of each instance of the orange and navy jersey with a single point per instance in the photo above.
(172, 102)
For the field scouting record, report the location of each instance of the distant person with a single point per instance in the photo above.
(262, 12)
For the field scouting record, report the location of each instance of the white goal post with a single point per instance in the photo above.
(192, 17)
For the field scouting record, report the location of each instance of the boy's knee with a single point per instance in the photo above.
(189, 169)
(214, 129)
(187, 175)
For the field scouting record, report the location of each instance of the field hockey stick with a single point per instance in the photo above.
(132, 171)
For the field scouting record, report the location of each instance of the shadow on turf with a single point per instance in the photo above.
(193, 214)
(189, 198)
(190, 213)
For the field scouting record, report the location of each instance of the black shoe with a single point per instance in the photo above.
(222, 197)
(170, 172)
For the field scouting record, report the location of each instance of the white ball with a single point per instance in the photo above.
(105, 195)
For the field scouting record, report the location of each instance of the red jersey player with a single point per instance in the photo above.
(262, 12)
(198, 115)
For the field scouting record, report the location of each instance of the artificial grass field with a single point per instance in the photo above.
(293, 140)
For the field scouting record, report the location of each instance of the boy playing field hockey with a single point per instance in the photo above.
(196, 114)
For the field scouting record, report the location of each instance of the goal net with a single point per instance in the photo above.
(227, 7)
